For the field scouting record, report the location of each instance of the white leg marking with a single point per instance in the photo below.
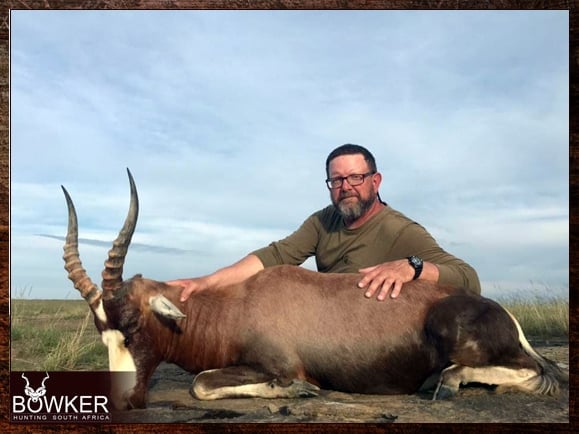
(269, 389)
(498, 375)
(260, 390)
(447, 383)
(506, 378)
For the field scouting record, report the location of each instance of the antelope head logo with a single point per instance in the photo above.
(33, 394)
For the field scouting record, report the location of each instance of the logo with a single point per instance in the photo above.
(73, 397)
(35, 395)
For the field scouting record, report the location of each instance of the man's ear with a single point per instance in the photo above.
(377, 180)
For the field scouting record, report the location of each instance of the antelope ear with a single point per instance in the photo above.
(162, 305)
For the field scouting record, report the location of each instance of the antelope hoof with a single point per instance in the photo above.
(302, 389)
(444, 392)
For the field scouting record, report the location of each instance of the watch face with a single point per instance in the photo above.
(415, 261)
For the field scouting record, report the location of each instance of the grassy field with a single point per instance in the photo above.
(54, 335)
(57, 335)
(540, 319)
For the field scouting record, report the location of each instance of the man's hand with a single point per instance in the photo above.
(386, 276)
(230, 275)
(188, 286)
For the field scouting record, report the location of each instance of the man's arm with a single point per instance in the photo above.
(293, 249)
(229, 275)
(439, 266)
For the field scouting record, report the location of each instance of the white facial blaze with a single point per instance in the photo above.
(100, 313)
(120, 360)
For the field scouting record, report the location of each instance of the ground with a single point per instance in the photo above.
(169, 401)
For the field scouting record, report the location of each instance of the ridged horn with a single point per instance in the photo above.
(72, 263)
(113, 273)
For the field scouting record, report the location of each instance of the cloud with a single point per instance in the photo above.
(134, 246)
(226, 129)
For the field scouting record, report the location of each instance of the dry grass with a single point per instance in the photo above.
(54, 335)
(541, 318)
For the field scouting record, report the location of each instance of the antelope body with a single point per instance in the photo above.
(287, 331)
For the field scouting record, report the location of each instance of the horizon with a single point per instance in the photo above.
(226, 118)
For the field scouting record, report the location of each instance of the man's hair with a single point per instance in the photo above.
(350, 149)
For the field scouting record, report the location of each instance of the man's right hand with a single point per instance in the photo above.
(232, 274)
(188, 286)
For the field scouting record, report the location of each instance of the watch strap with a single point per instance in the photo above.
(416, 263)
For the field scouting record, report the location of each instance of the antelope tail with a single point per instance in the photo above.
(552, 378)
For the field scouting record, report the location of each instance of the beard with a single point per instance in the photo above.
(352, 210)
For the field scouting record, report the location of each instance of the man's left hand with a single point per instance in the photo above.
(384, 277)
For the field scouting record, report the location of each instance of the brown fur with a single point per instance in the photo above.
(291, 323)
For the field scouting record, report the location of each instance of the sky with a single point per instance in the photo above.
(225, 119)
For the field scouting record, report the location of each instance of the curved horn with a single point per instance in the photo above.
(113, 272)
(72, 263)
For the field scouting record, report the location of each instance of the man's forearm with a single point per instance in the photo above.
(235, 273)
(429, 272)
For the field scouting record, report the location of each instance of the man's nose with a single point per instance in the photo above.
(345, 184)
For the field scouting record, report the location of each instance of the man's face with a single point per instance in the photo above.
(353, 202)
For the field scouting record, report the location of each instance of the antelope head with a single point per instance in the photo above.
(129, 314)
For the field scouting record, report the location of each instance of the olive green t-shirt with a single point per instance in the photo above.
(387, 236)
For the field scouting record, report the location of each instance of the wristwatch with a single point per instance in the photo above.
(416, 263)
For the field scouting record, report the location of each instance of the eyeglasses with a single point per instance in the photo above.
(354, 180)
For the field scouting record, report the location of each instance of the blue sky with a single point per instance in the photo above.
(225, 119)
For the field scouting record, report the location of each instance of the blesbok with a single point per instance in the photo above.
(288, 331)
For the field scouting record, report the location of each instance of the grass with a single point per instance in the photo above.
(59, 335)
(541, 319)
(54, 335)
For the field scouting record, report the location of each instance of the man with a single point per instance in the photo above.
(357, 233)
